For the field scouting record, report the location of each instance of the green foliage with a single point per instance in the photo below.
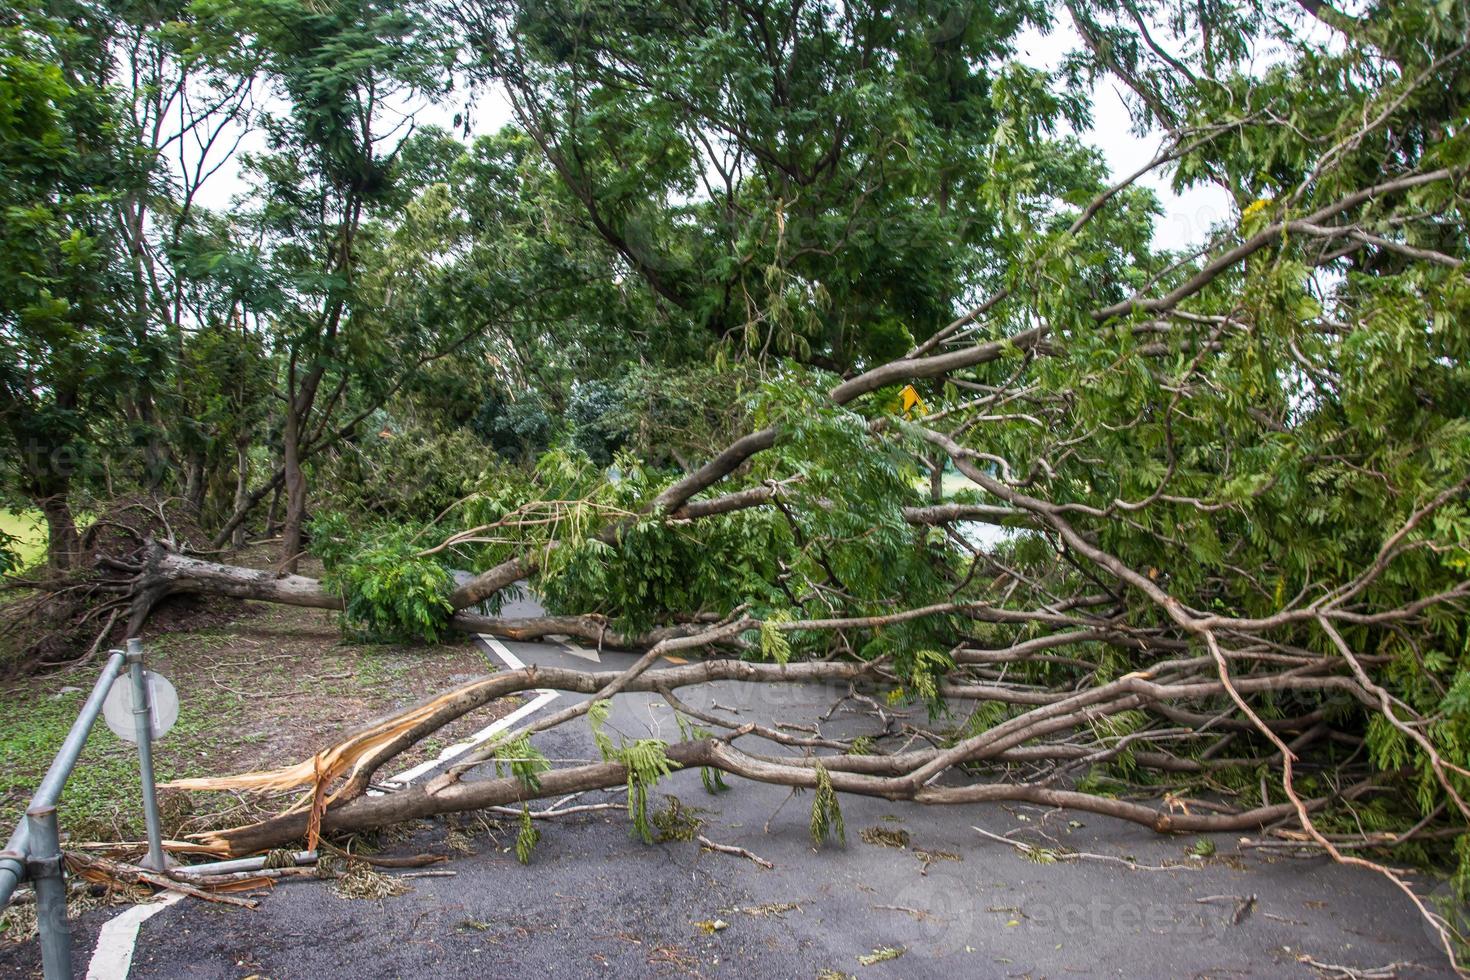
(825, 241)
(368, 480)
(773, 644)
(527, 837)
(10, 556)
(646, 760)
(597, 713)
(519, 430)
(826, 811)
(387, 589)
(647, 763)
(696, 232)
(593, 414)
(711, 778)
(523, 761)
(677, 822)
(675, 416)
(68, 348)
(654, 570)
(924, 669)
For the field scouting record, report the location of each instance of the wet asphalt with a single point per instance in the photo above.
(594, 901)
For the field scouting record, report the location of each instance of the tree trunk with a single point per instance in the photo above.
(429, 799)
(273, 513)
(194, 483)
(63, 543)
(295, 485)
(242, 488)
(245, 505)
(167, 573)
(156, 468)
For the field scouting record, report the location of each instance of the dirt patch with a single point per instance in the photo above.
(260, 686)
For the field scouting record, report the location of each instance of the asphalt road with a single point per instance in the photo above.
(596, 902)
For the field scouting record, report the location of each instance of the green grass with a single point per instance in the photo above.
(267, 689)
(29, 530)
(103, 798)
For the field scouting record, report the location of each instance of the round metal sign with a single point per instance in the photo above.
(162, 699)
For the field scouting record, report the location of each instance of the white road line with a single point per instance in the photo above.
(512, 662)
(113, 955)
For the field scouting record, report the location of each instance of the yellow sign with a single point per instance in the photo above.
(912, 400)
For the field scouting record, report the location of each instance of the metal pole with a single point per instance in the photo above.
(143, 725)
(44, 869)
(12, 859)
(238, 864)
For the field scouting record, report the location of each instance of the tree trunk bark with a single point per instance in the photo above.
(194, 483)
(295, 485)
(167, 573)
(242, 489)
(63, 542)
(273, 513)
(428, 799)
(156, 455)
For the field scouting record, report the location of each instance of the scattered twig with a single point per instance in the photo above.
(1048, 855)
(550, 812)
(107, 871)
(736, 851)
(1337, 972)
(1244, 905)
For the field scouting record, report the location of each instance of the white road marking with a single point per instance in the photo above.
(565, 642)
(113, 956)
(582, 652)
(512, 662)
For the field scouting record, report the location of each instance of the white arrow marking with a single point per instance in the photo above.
(583, 652)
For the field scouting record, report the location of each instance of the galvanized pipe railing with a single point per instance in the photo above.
(48, 794)
(143, 729)
(33, 852)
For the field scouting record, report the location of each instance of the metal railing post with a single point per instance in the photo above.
(143, 722)
(45, 871)
(12, 859)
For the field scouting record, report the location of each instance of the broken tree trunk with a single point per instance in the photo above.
(357, 758)
(166, 572)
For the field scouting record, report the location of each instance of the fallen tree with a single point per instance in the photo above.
(1228, 566)
(903, 776)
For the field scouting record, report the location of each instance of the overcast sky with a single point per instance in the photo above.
(1188, 216)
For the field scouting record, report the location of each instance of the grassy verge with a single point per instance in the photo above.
(259, 687)
(103, 798)
(29, 530)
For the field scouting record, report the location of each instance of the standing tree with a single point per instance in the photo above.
(796, 179)
(68, 355)
(346, 74)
